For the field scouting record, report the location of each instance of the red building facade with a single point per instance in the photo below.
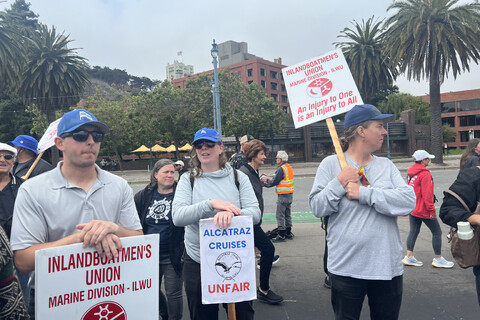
(461, 111)
(267, 74)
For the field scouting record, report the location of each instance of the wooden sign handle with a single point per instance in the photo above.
(231, 312)
(33, 165)
(336, 143)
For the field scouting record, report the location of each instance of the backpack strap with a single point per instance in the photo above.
(235, 176)
(458, 198)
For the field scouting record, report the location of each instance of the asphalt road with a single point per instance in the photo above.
(429, 293)
(442, 178)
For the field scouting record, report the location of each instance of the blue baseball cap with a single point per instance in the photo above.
(77, 118)
(207, 134)
(27, 142)
(362, 113)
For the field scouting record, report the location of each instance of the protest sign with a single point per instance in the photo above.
(320, 88)
(47, 140)
(227, 261)
(76, 283)
(48, 137)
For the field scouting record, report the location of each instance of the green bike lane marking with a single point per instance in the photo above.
(302, 217)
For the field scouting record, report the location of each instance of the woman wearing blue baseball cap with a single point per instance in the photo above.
(362, 202)
(213, 189)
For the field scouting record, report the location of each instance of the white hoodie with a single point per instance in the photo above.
(189, 206)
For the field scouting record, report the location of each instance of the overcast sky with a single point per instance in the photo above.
(142, 36)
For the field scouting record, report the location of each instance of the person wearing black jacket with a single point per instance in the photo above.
(467, 186)
(255, 154)
(154, 207)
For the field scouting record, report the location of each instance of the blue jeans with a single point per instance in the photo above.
(384, 297)
(171, 306)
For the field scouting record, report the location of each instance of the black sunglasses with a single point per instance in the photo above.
(6, 156)
(201, 143)
(82, 135)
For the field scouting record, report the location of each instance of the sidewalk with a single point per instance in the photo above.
(301, 169)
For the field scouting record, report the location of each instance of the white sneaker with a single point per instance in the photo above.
(412, 261)
(442, 263)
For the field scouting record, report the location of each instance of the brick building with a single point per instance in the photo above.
(461, 111)
(266, 74)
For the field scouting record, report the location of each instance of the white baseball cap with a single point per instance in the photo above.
(180, 162)
(6, 147)
(419, 155)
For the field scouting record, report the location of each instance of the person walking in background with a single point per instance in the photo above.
(420, 178)
(452, 211)
(239, 159)
(471, 156)
(362, 202)
(180, 167)
(283, 183)
(27, 153)
(154, 207)
(212, 190)
(255, 153)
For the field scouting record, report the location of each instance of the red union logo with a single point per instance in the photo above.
(319, 88)
(107, 310)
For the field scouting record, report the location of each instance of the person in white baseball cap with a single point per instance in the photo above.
(420, 178)
(419, 155)
(9, 185)
(180, 167)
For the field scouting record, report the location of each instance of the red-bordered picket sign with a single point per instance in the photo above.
(320, 88)
(76, 283)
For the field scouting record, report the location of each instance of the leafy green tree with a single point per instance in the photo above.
(118, 115)
(429, 38)
(257, 115)
(15, 119)
(54, 76)
(448, 134)
(398, 102)
(244, 108)
(363, 49)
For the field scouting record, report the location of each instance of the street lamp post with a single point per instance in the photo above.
(214, 106)
(216, 92)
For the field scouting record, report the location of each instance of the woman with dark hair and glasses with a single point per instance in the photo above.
(154, 207)
(362, 202)
(255, 153)
(210, 190)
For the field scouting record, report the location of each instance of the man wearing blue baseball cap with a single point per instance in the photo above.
(77, 201)
(26, 153)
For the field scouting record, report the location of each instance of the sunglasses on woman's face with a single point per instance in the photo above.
(200, 144)
(82, 135)
(6, 156)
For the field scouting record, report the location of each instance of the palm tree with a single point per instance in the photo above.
(54, 75)
(363, 50)
(16, 24)
(427, 39)
(10, 52)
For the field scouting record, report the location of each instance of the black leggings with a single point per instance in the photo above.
(415, 224)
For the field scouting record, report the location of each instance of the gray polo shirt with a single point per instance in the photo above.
(48, 207)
